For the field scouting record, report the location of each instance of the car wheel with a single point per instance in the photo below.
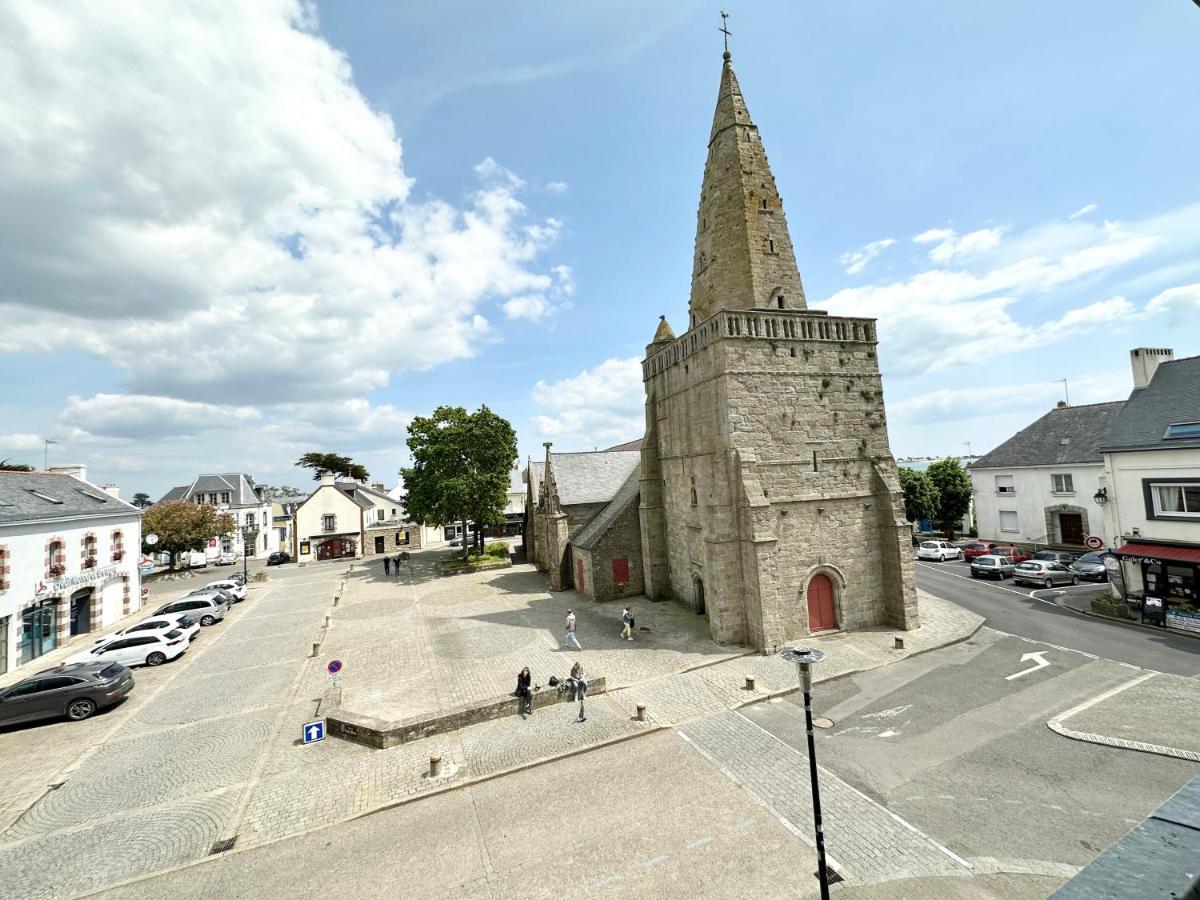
(207, 620)
(78, 710)
(1049, 582)
(942, 558)
(157, 658)
(1074, 580)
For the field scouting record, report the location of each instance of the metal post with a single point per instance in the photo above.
(245, 574)
(822, 873)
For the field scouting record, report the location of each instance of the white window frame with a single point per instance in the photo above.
(1004, 485)
(1062, 483)
(1016, 519)
(329, 522)
(1183, 489)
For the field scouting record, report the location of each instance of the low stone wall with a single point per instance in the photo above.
(505, 563)
(384, 733)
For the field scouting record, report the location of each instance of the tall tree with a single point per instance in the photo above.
(332, 463)
(182, 526)
(953, 487)
(6, 466)
(920, 498)
(460, 468)
(141, 500)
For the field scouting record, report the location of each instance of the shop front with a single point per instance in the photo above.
(1163, 579)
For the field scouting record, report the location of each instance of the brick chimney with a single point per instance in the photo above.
(1145, 361)
(1062, 404)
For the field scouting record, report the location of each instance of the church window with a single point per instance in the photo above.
(779, 301)
(770, 246)
(694, 499)
(814, 453)
(764, 203)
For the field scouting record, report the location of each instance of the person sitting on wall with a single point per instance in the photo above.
(524, 691)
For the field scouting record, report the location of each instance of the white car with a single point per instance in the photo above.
(226, 559)
(150, 649)
(234, 587)
(156, 625)
(939, 550)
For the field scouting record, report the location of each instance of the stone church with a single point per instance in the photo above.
(763, 493)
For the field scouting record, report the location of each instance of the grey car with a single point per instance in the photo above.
(74, 691)
(1057, 556)
(1044, 572)
(1090, 567)
(204, 609)
(991, 567)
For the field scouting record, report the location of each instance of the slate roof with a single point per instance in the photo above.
(628, 445)
(600, 523)
(351, 489)
(592, 477)
(239, 485)
(19, 503)
(1071, 435)
(1171, 397)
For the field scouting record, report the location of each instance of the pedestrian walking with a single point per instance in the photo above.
(396, 564)
(571, 639)
(386, 565)
(524, 691)
(579, 688)
(627, 618)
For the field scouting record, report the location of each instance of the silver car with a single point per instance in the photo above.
(991, 567)
(203, 609)
(1044, 572)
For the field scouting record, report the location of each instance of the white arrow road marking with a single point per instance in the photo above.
(1040, 663)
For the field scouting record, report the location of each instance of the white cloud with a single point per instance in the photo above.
(1083, 211)
(1035, 399)
(598, 407)
(556, 187)
(19, 441)
(528, 307)
(1178, 302)
(952, 246)
(933, 235)
(148, 418)
(197, 177)
(855, 261)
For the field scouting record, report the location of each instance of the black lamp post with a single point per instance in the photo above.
(245, 576)
(804, 658)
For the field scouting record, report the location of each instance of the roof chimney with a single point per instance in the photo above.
(328, 479)
(1061, 404)
(112, 490)
(78, 470)
(1145, 362)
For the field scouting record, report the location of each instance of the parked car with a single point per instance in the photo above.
(1057, 556)
(226, 559)
(205, 610)
(1045, 572)
(1016, 554)
(184, 623)
(939, 550)
(976, 548)
(149, 649)
(1090, 567)
(235, 588)
(226, 597)
(456, 542)
(991, 567)
(279, 558)
(75, 691)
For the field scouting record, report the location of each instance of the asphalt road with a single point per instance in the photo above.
(1031, 613)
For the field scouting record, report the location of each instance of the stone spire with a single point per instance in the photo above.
(549, 498)
(743, 256)
(664, 334)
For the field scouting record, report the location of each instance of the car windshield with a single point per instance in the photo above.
(1089, 558)
(988, 561)
(929, 545)
(1028, 565)
(111, 671)
(174, 633)
(1045, 554)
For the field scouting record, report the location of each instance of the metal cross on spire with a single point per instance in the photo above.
(724, 29)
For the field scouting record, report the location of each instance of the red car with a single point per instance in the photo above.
(1017, 556)
(970, 551)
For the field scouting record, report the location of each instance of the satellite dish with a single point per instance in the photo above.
(151, 539)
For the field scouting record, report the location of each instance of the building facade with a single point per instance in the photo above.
(348, 520)
(69, 555)
(234, 493)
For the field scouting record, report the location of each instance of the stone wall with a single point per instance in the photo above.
(622, 540)
(409, 539)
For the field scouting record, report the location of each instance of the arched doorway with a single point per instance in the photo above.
(698, 590)
(821, 613)
(335, 548)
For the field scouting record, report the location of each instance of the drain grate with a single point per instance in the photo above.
(834, 877)
(223, 845)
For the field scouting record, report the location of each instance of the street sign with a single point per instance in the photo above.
(335, 666)
(1092, 542)
(1040, 662)
(313, 732)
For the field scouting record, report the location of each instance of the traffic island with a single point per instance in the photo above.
(362, 728)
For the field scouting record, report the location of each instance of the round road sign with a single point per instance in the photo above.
(335, 666)
(1092, 542)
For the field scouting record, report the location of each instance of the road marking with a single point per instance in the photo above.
(1001, 587)
(700, 843)
(888, 733)
(1100, 698)
(661, 858)
(1040, 662)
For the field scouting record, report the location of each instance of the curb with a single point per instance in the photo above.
(1120, 743)
(1128, 623)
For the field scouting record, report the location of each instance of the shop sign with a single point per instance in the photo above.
(1183, 620)
(305, 548)
(73, 581)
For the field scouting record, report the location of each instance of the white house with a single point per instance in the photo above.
(68, 561)
(234, 493)
(1038, 486)
(1151, 481)
(345, 520)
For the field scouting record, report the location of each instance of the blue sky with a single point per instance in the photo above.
(233, 235)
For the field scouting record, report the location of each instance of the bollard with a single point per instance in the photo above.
(435, 766)
(328, 619)
(316, 647)
(899, 643)
(641, 712)
(336, 598)
(749, 682)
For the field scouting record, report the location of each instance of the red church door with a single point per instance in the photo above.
(821, 616)
(579, 575)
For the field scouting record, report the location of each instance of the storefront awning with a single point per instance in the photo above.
(1160, 551)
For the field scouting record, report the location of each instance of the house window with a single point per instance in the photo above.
(1183, 430)
(1062, 484)
(328, 523)
(225, 497)
(1004, 484)
(1176, 499)
(56, 558)
(212, 498)
(249, 520)
(1008, 520)
(4, 583)
(118, 546)
(264, 519)
(199, 498)
(88, 553)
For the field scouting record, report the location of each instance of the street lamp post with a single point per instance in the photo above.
(804, 658)
(245, 575)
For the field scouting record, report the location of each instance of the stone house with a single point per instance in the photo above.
(1036, 488)
(69, 555)
(234, 493)
(767, 493)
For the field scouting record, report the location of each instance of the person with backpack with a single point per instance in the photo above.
(627, 618)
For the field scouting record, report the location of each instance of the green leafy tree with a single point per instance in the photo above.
(460, 468)
(322, 463)
(953, 488)
(6, 466)
(182, 526)
(920, 498)
(141, 500)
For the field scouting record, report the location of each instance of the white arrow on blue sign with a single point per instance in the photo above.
(313, 732)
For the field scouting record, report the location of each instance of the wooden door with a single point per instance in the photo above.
(821, 615)
(1071, 525)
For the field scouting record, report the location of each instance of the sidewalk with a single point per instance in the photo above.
(1081, 602)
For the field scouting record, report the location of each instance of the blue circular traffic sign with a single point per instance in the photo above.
(335, 666)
